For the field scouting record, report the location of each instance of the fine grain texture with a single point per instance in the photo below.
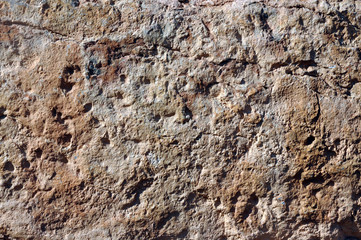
(180, 119)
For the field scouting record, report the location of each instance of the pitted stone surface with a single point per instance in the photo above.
(199, 119)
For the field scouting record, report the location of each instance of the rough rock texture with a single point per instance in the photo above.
(199, 119)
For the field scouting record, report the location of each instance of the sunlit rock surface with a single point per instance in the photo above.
(189, 119)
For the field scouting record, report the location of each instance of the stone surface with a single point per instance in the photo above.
(197, 119)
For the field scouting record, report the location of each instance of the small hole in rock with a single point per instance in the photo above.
(88, 107)
(119, 95)
(57, 115)
(105, 141)
(66, 86)
(330, 183)
(93, 68)
(232, 210)
(81, 185)
(300, 21)
(217, 202)
(183, 234)
(247, 109)
(146, 81)
(98, 65)
(309, 140)
(8, 183)
(157, 118)
(75, 3)
(234, 199)
(68, 71)
(187, 113)
(175, 142)
(43, 227)
(44, 7)
(53, 112)
(8, 166)
(18, 187)
(66, 138)
(63, 158)
(2, 113)
(94, 121)
(288, 71)
(136, 140)
(53, 175)
(38, 153)
(191, 197)
(25, 163)
(122, 78)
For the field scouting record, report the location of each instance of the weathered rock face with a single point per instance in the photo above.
(140, 119)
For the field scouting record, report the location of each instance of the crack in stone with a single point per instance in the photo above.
(25, 24)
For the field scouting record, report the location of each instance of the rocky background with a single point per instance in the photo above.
(189, 119)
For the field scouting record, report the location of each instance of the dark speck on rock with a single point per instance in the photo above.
(75, 3)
